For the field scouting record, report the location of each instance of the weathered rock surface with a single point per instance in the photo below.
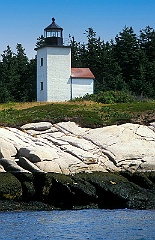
(64, 166)
(67, 148)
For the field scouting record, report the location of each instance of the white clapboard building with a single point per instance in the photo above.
(56, 80)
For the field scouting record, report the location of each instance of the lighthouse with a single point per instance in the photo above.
(56, 80)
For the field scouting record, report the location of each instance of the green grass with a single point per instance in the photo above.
(86, 114)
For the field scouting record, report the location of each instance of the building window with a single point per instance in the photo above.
(41, 86)
(41, 62)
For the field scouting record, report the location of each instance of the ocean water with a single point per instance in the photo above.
(78, 224)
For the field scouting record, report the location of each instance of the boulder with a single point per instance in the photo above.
(26, 164)
(71, 127)
(7, 149)
(49, 166)
(10, 187)
(40, 126)
(70, 164)
(10, 136)
(26, 179)
(38, 153)
(11, 166)
(128, 144)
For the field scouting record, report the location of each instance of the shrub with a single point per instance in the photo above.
(109, 97)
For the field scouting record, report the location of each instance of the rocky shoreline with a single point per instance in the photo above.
(46, 166)
(48, 191)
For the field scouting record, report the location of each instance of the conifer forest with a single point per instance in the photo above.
(126, 63)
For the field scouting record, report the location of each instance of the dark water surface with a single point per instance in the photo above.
(80, 224)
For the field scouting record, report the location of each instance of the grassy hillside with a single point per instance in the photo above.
(86, 114)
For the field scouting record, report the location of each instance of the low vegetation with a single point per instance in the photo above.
(85, 113)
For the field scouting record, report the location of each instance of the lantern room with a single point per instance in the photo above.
(53, 34)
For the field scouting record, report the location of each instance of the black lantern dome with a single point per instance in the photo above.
(53, 34)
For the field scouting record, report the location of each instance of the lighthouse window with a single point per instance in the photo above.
(41, 86)
(41, 62)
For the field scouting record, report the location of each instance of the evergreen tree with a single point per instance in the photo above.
(75, 53)
(40, 41)
(110, 70)
(147, 42)
(99, 57)
(17, 76)
(93, 49)
(127, 53)
(9, 75)
(23, 75)
(147, 47)
(4, 93)
(31, 81)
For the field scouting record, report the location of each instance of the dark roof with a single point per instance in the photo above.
(81, 73)
(53, 25)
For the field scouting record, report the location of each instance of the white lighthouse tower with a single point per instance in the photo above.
(53, 66)
(56, 80)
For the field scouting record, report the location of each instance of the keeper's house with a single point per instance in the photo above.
(56, 80)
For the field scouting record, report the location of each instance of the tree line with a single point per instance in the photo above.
(126, 63)
(17, 76)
